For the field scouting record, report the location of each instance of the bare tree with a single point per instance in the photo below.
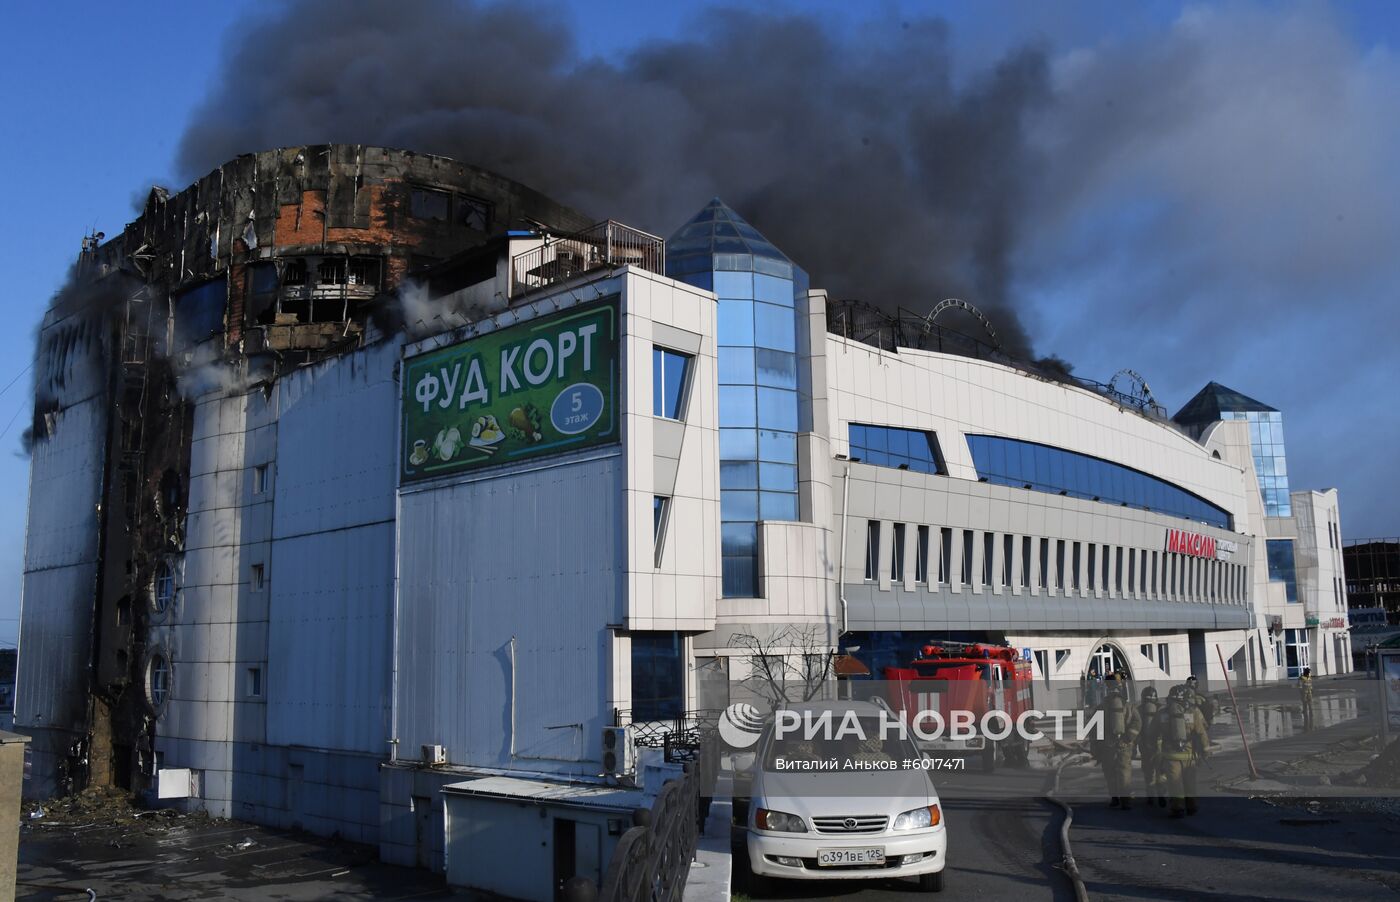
(792, 664)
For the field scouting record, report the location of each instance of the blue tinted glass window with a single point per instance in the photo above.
(775, 368)
(668, 382)
(777, 409)
(780, 447)
(738, 475)
(778, 505)
(1026, 464)
(658, 676)
(772, 289)
(773, 327)
(1282, 567)
(777, 477)
(736, 366)
(738, 444)
(888, 446)
(737, 406)
(736, 323)
(738, 505)
(734, 284)
(738, 538)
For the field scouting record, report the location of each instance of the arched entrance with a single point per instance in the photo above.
(1105, 660)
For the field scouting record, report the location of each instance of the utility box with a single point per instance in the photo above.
(524, 838)
(11, 782)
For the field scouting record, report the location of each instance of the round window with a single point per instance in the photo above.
(158, 680)
(164, 592)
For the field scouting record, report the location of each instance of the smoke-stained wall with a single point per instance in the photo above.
(272, 261)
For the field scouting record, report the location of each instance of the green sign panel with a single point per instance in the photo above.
(532, 390)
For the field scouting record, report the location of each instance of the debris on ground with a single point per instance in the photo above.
(107, 806)
(1384, 769)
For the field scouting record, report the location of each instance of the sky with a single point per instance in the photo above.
(1197, 192)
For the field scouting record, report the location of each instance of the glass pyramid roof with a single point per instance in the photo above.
(1214, 400)
(717, 238)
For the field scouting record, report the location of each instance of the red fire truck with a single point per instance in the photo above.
(975, 677)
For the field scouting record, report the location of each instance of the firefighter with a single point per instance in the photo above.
(1305, 694)
(1182, 744)
(1115, 750)
(1148, 708)
(1203, 701)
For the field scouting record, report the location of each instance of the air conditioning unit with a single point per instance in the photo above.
(434, 754)
(619, 755)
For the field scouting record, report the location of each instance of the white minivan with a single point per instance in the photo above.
(864, 809)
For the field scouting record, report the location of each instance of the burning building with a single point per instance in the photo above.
(270, 263)
(368, 486)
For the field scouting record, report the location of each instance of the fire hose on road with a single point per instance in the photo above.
(1071, 868)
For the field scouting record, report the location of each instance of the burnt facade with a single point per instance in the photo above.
(273, 261)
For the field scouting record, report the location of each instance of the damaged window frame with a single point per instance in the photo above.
(433, 204)
(318, 288)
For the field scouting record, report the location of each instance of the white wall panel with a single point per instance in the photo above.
(328, 643)
(537, 555)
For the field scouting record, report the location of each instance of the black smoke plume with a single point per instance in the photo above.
(857, 153)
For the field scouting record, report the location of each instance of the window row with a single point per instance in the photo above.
(888, 446)
(948, 557)
(1028, 465)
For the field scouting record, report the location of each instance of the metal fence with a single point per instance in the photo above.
(562, 257)
(652, 860)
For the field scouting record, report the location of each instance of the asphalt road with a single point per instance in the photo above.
(1002, 840)
(1003, 837)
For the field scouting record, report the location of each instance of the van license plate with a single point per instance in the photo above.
(840, 857)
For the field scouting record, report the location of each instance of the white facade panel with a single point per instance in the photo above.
(536, 555)
(329, 638)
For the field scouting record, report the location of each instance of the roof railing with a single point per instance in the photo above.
(564, 257)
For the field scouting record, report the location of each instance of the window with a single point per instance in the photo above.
(1281, 566)
(897, 558)
(260, 479)
(473, 213)
(658, 687)
(1060, 565)
(1092, 561)
(426, 203)
(1044, 564)
(1019, 464)
(1164, 660)
(1107, 554)
(965, 575)
(1007, 545)
(872, 550)
(1061, 656)
(1132, 569)
(254, 681)
(1156, 586)
(988, 556)
(124, 611)
(164, 592)
(668, 382)
(660, 512)
(158, 681)
(945, 556)
(1074, 568)
(1118, 570)
(1146, 650)
(256, 577)
(1042, 660)
(1025, 562)
(887, 446)
(921, 556)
